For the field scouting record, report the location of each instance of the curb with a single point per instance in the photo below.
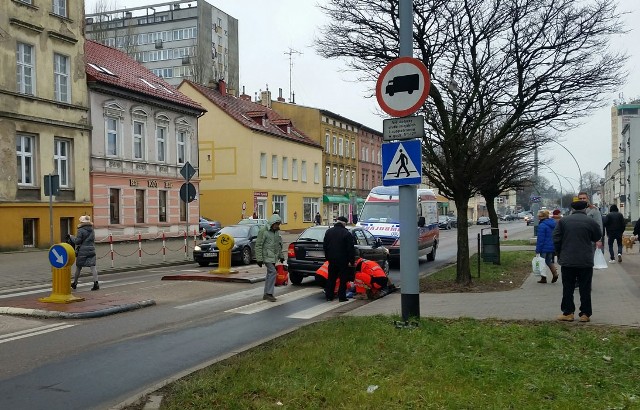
(81, 315)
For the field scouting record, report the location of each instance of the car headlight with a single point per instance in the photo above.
(197, 248)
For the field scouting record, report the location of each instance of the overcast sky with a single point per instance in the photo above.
(270, 28)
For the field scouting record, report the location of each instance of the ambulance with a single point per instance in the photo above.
(380, 215)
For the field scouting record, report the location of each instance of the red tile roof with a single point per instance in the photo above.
(245, 111)
(128, 74)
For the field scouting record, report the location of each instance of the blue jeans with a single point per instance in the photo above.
(610, 239)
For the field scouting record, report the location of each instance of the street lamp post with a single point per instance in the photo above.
(574, 159)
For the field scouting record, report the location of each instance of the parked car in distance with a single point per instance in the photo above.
(260, 222)
(453, 220)
(209, 226)
(243, 251)
(509, 217)
(444, 222)
(306, 254)
(528, 219)
(483, 220)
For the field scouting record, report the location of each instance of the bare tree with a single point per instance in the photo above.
(510, 66)
(591, 182)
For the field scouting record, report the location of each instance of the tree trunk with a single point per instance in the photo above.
(463, 271)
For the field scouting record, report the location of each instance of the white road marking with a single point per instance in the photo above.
(282, 299)
(223, 299)
(33, 332)
(318, 310)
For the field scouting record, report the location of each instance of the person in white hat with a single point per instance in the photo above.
(85, 245)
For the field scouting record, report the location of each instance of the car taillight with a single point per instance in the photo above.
(291, 251)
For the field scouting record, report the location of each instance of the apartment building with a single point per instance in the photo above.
(254, 161)
(176, 40)
(44, 122)
(144, 132)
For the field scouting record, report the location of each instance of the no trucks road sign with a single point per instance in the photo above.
(403, 86)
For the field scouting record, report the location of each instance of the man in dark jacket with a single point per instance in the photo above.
(573, 238)
(340, 252)
(614, 224)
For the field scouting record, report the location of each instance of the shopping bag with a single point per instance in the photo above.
(282, 275)
(537, 264)
(598, 260)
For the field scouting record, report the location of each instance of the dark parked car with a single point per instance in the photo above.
(209, 226)
(444, 222)
(483, 220)
(243, 251)
(306, 254)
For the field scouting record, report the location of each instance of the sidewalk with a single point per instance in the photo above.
(615, 298)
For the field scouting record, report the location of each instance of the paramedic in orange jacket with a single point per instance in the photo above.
(371, 275)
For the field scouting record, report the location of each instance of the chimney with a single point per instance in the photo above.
(280, 99)
(245, 96)
(265, 98)
(222, 87)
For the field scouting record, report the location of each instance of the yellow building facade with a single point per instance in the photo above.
(44, 126)
(253, 161)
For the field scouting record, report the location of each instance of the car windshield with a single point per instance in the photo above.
(387, 212)
(315, 234)
(235, 231)
(443, 218)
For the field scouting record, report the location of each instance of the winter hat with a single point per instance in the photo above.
(556, 212)
(85, 219)
(579, 205)
(342, 219)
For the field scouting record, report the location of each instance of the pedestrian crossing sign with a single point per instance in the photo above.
(401, 164)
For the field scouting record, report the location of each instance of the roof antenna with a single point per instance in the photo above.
(290, 53)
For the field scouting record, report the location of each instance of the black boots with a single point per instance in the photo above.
(95, 286)
(543, 279)
(74, 285)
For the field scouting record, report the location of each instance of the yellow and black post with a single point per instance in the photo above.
(225, 245)
(61, 256)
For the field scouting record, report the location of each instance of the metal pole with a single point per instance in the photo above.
(575, 160)
(50, 211)
(410, 297)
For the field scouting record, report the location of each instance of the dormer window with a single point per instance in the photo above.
(285, 125)
(258, 116)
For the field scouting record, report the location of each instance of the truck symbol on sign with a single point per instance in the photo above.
(408, 83)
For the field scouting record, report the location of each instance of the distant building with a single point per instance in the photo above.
(144, 132)
(176, 40)
(44, 121)
(254, 161)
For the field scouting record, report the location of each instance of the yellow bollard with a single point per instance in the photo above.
(225, 244)
(61, 256)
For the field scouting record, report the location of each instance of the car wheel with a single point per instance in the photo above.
(245, 258)
(203, 263)
(432, 256)
(295, 278)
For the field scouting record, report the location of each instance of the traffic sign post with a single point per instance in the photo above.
(61, 256)
(187, 190)
(225, 245)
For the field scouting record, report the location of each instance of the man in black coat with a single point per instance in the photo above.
(614, 224)
(340, 252)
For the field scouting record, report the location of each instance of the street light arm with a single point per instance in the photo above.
(574, 159)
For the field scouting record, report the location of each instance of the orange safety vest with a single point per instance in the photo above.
(366, 276)
(323, 271)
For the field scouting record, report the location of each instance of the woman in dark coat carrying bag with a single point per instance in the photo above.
(85, 245)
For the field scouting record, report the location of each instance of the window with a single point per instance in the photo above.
(341, 178)
(340, 147)
(112, 136)
(346, 148)
(161, 143)
(353, 179)
(280, 205)
(362, 154)
(353, 149)
(140, 206)
(183, 211)
(61, 161)
(60, 7)
(335, 177)
(114, 206)
(335, 145)
(25, 153)
(274, 166)
(346, 178)
(138, 140)
(162, 206)
(316, 173)
(182, 147)
(326, 143)
(62, 91)
(366, 154)
(285, 168)
(303, 171)
(294, 169)
(263, 165)
(327, 176)
(25, 68)
(309, 209)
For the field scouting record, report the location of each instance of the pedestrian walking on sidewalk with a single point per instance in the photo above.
(85, 245)
(573, 239)
(340, 252)
(544, 244)
(269, 251)
(614, 225)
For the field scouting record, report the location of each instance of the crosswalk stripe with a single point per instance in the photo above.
(222, 299)
(317, 310)
(282, 299)
(33, 332)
